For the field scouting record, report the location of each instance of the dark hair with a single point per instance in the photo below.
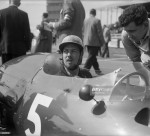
(45, 14)
(135, 13)
(93, 12)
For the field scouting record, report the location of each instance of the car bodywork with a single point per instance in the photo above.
(34, 102)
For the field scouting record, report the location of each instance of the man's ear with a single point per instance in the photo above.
(81, 57)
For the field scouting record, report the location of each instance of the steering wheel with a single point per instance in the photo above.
(124, 89)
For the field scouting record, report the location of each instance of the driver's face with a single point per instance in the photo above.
(71, 55)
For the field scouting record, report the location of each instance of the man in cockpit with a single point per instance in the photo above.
(72, 53)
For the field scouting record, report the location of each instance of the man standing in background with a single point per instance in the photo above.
(71, 20)
(15, 33)
(107, 38)
(93, 40)
(44, 39)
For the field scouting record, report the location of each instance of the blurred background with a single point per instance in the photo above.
(107, 10)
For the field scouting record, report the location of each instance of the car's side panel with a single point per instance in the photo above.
(16, 73)
(50, 105)
(64, 113)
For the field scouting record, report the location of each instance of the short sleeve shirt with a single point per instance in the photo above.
(133, 49)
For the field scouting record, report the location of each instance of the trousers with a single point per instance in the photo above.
(92, 58)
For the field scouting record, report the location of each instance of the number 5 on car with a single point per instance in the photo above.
(33, 116)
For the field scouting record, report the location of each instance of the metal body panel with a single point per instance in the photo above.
(45, 104)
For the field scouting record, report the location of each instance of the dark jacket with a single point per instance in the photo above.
(14, 31)
(83, 73)
(44, 40)
(75, 13)
(93, 34)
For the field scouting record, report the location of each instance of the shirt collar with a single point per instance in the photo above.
(13, 5)
(147, 34)
(73, 73)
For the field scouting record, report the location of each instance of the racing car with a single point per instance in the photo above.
(34, 101)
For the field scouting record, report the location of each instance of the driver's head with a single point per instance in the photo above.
(72, 51)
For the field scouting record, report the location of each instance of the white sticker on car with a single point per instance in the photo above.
(33, 116)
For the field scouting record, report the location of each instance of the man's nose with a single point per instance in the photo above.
(69, 53)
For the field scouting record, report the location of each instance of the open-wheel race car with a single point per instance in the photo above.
(35, 101)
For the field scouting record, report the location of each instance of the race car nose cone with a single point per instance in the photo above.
(85, 93)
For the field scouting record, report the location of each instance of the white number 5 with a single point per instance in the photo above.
(33, 116)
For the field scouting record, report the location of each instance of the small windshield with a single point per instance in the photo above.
(130, 88)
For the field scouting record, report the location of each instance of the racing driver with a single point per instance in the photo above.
(71, 49)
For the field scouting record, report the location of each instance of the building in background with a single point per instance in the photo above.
(53, 8)
(113, 8)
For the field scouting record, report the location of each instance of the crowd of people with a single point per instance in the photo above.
(75, 33)
(72, 20)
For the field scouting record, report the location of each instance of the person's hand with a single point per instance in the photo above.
(48, 26)
(51, 24)
(145, 58)
(38, 26)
